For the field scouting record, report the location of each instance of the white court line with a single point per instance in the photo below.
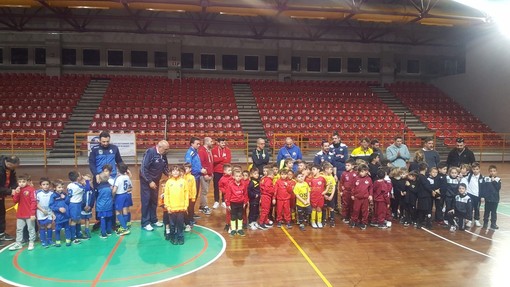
(455, 243)
(488, 238)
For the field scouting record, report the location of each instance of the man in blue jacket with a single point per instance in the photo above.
(104, 153)
(154, 165)
(196, 165)
(290, 150)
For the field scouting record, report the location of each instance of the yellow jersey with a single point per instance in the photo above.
(176, 195)
(191, 184)
(302, 189)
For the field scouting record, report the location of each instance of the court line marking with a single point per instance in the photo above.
(458, 244)
(224, 246)
(308, 259)
(10, 208)
(481, 236)
(106, 262)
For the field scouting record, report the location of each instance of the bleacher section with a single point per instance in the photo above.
(34, 103)
(192, 107)
(317, 108)
(441, 113)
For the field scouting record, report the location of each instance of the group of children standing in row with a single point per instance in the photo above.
(56, 207)
(368, 195)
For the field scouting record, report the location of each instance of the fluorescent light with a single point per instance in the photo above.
(88, 7)
(14, 6)
(165, 10)
(308, 17)
(238, 14)
(374, 20)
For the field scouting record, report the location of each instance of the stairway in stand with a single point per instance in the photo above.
(248, 113)
(412, 121)
(80, 120)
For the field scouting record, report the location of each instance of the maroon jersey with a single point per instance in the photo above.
(347, 180)
(362, 187)
(382, 190)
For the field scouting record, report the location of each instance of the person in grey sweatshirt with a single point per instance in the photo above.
(398, 153)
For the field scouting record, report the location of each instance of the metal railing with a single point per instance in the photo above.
(23, 142)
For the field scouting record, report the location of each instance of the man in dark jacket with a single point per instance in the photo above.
(260, 156)
(460, 155)
(8, 183)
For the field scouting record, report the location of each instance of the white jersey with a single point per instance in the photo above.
(43, 201)
(123, 184)
(75, 191)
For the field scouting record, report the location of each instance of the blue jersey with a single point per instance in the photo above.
(285, 152)
(99, 156)
(154, 165)
(104, 200)
(340, 156)
(193, 158)
(322, 157)
(56, 202)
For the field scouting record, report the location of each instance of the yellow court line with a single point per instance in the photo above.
(308, 259)
(12, 207)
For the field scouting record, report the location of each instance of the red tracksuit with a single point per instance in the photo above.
(223, 185)
(347, 181)
(236, 192)
(282, 193)
(27, 203)
(382, 190)
(361, 191)
(266, 196)
(292, 196)
(317, 187)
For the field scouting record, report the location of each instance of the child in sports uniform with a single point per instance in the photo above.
(236, 199)
(282, 195)
(318, 190)
(75, 191)
(44, 214)
(266, 198)
(59, 204)
(223, 185)
(104, 205)
(302, 192)
(254, 196)
(347, 180)
(176, 203)
(362, 193)
(329, 204)
(121, 187)
(24, 196)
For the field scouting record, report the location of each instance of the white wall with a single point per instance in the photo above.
(484, 88)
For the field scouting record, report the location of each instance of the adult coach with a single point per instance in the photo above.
(460, 155)
(430, 154)
(398, 153)
(221, 156)
(290, 150)
(260, 156)
(363, 151)
(324, 155)
(206, 159)
(340, 154)
(154, 165)
(8, 183)
(104, 153)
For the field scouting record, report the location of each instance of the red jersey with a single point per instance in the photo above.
(283, 189)
(317, 186)
(236, 192)
(267, 187)
(221, 156)
(347, 180)
(308, 180)
(206, 158)
(224, 181)
(362, 187)
(27, 203)
(382, 190)
(245, 182)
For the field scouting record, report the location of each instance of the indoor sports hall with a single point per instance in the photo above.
(180, 91)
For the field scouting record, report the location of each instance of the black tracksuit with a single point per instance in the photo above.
(463, 209)
(490, 191)
(254, 196)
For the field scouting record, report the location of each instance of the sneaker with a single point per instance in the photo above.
(319, 225)
(362, 226)
(125, 232)
(103, 236)
(302, 226)
(30, 245)
(148, 227)
(485, 225)
(406, 224)
(373, 224)
(180, 241)
(382, 226)
(279, 225)
(206, 210)
(227, 227)
(6, 237)
(223, 205)
(453, 228)
(159, 224)
(188, 228)
(77, 241)
(167, 236)
(232, 233)
(314, 225)
(44, 245)
(216, 205)
(494, 227)
(352, 224)
(388, 224)
(68, 242)
(173, 241)
(241, 233)
(477, 223)
(289, 226)
(15, 246)
(269, 223)
(57, 244)
(469, 223)
(346, 221)
(262, 226)
(253, 226)
(332, 223)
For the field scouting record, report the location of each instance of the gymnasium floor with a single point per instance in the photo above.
(338, 256)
